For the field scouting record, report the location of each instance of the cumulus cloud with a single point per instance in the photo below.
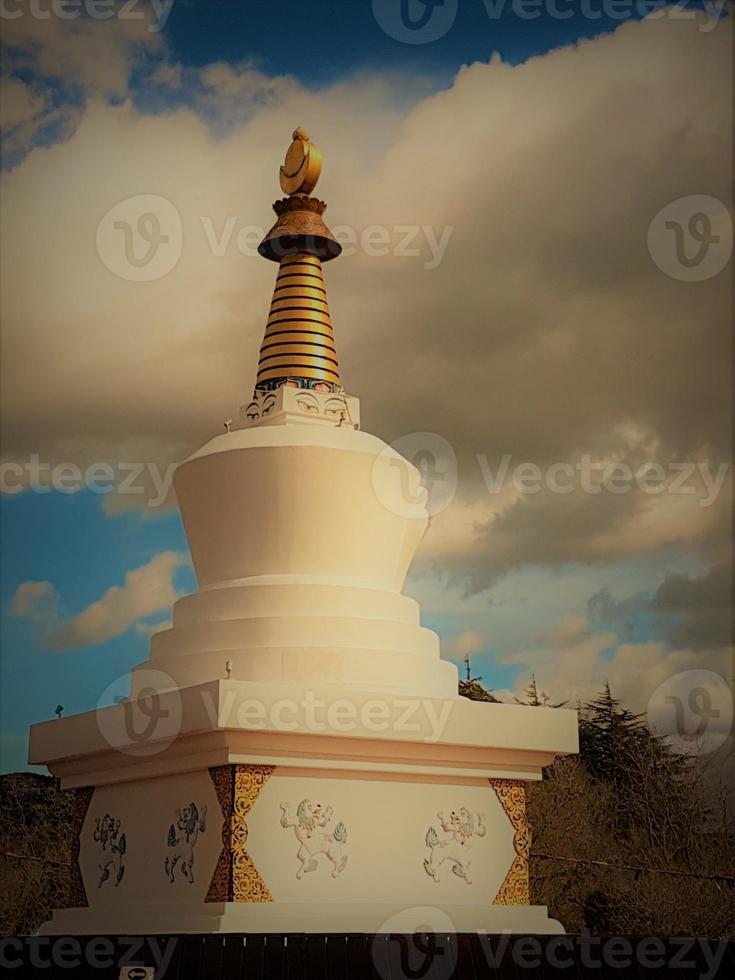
(694, 612)
(476, 543)
(147, 590)
(18, 103)
(80, 52)
(623, 617)
(545, 331)
(68, 60)
(148, 629)
(702, 607)
(37, 601)
(573, 663)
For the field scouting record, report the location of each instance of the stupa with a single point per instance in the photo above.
(294, 755)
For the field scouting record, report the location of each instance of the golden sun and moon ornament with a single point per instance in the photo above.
(302, 166)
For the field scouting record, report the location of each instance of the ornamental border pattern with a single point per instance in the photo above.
(512, 796)
(80, 806)
(235, 878)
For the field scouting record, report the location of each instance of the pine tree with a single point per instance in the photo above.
(470, 687)
(606, 731)
(475, 691)
(537, 699)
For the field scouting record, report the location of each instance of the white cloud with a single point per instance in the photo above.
(147, 590)
(18, 103)
(37, 601)
(148, 629)
(84, 53)
(575, 663)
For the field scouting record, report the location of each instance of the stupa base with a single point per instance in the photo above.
(301, 917)
(227, 828)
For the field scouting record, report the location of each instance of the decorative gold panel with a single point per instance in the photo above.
(512, 796)
(235, 878)
(80, 806)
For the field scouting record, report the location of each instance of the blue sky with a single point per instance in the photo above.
(83, 547)
(339, 37)
(68, 540)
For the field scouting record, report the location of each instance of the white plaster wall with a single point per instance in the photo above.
(301, 536)
(146, 810)
(386, 825)
(275, 500)
(293, 595)
(349, 670)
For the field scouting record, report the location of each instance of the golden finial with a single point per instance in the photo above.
(302, 166)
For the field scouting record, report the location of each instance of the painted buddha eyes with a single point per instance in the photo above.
(334, 407)
(308, 404)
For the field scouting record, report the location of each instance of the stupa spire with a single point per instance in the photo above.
(298, 347)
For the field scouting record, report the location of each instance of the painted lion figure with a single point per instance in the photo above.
(107, 834)
(310, 823)
(182, 839)
(457, 847)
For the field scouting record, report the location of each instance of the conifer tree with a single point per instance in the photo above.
(606, 731)
(470, 687)
(537, 699)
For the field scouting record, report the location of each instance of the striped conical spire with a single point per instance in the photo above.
(298, 341)
(298, 346)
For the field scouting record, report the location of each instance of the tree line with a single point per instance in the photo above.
(630, 837)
